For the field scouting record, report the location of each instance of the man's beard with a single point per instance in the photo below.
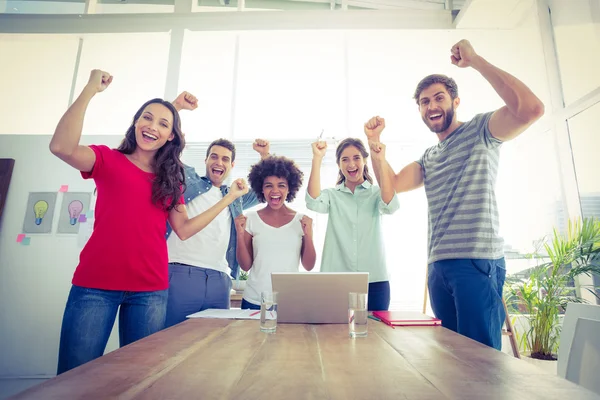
(448, 116)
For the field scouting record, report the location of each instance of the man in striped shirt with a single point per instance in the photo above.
(466, 261)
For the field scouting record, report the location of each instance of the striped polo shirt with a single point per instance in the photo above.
(460, 176)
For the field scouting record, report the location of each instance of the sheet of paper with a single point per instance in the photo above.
(233, 313)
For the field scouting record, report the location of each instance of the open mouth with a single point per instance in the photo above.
(275, 200)
(218, 171)
(436, 117)
(353, 173)
(149, 137)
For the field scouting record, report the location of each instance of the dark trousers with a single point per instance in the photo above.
(466, 294)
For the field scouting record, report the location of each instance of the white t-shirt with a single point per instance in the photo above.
(275, 250)
(207, 248)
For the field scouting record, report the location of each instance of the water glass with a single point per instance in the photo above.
(357, 314)
(268, 312)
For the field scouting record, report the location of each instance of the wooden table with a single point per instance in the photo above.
(228, 359)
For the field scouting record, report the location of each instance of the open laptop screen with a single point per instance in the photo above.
(316, 297)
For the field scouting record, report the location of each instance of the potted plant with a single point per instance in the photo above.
(240, 283)
(542, 297)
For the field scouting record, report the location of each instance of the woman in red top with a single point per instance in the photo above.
(124, 264)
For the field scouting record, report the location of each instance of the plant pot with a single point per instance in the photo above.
(548, 366)
(238, 286)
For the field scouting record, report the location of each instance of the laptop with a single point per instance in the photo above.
(316, 297)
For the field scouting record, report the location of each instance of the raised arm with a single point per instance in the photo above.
(185, 101)
(314, 181)
(65, 141)
(385, 175)
(262, 147)
(243, 251)
(308, 254)
(522, 107)
(409, 178)
(186, 227)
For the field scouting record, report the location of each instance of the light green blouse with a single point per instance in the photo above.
(354, 240)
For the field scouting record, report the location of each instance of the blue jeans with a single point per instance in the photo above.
(90, 315)
(466, 294)
(379, 296)
(246, 305)
(193, 289)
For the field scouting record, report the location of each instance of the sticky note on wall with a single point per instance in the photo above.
(64, 188)
(26, 241)
(20, 237)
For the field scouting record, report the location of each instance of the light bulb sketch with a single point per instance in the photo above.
(39, 209)
(75, 208)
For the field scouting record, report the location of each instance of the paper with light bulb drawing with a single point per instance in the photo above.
(39, 212)
(73, 205)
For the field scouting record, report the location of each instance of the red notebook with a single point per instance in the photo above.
(406, 318)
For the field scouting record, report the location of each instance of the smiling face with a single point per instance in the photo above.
(275, 191)
(352, 165)
(437, 107)
(154, 127)
(218, 164)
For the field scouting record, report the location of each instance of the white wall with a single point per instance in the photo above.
(35, 279)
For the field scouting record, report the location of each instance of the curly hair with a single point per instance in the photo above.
(363, 152)
(280, 167)
(429, 80)
(169, 183)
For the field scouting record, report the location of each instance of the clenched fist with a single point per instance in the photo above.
(99, 80)
(306, 223)
(238, 188)
(377, 151)
(463, 54)
(374, 127)
(186, 101)
(261, 146)
(319, 149)
(240, 223)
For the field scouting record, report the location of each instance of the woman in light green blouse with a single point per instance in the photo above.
(354, 241)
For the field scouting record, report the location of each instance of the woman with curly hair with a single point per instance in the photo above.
(123, 266)
(275, 238)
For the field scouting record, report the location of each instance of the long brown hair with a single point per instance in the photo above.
(169, 183)
(363, 152)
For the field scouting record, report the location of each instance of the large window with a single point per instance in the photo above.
(576, 26)
(138, 64)
(585, 144)
(207, 71)
(35, 92)
(288, 86)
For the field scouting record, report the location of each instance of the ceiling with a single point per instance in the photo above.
(428, 5)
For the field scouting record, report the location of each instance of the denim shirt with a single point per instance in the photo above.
(198, 185)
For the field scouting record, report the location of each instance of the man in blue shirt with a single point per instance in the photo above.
(200, 267)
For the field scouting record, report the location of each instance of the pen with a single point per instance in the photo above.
(321, 135)
(254, 313)
(375, 318)
(389, 324)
